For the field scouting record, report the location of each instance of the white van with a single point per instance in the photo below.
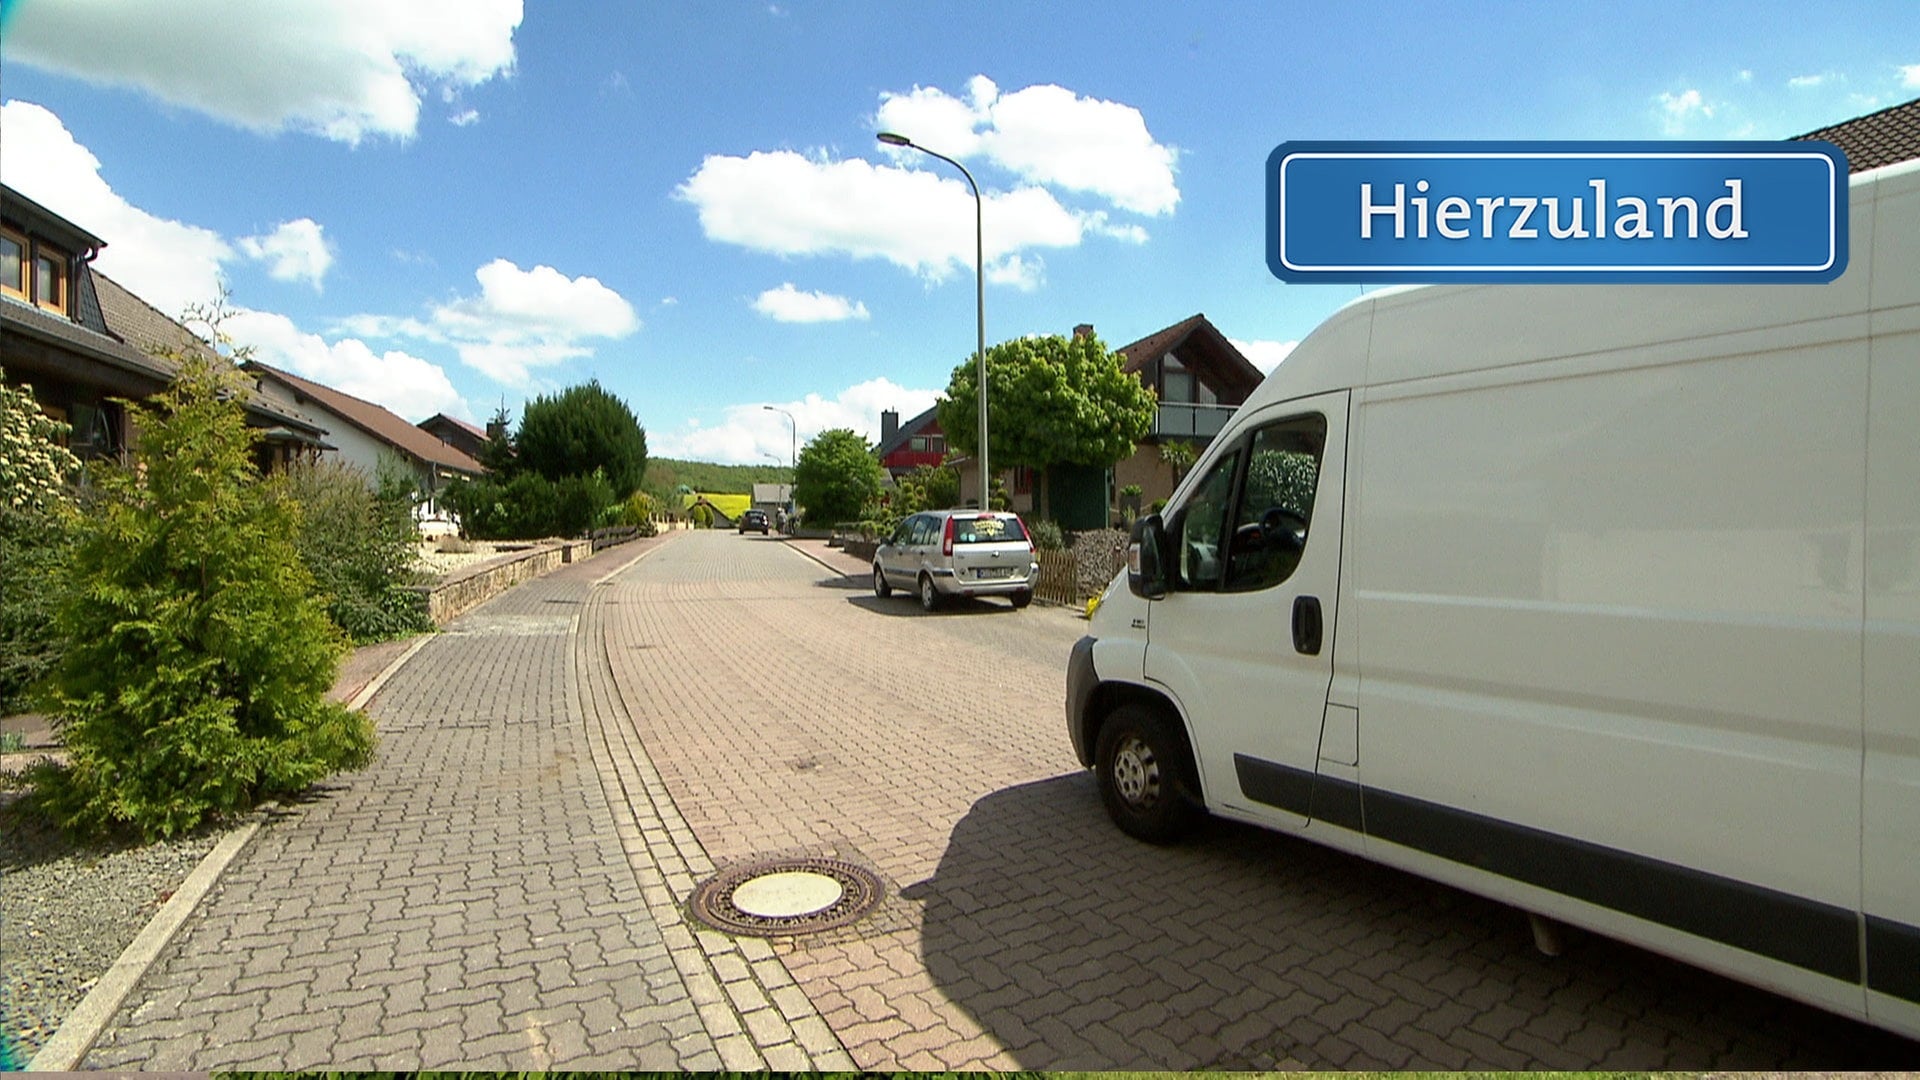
(1601, 601)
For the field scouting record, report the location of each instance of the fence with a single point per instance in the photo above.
(1059, 582)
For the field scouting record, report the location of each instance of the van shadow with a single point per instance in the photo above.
(906, 607)
(1077, 947)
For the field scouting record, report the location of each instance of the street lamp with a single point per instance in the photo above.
(979, 297)
(793, 450)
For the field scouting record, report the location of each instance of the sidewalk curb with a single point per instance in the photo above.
(791, 546)
(82, 1027)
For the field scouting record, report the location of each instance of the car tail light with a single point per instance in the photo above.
(946, 540)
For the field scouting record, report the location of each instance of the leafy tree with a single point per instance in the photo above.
(37, 518)
(582, 431)
(1178, 455)
(836, 476)
(1050, 401)
(196, 662)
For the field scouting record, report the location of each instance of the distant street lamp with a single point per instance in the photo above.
(979, 296)
(793, 450)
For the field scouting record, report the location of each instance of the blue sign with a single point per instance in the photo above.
(1625, 212)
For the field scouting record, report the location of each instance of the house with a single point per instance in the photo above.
(906, 447)
(81, 340)
(1200, 379)
(772, 498)
(364, 434)
(467, 438)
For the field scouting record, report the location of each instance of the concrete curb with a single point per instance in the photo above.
(842, 571)
(82, 1027)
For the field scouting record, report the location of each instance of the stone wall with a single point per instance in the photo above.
(467, 588)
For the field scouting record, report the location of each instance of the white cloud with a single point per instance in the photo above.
(409, 386)
(1746, 75)
(1023, 273)
(1910, 76)
(170, 264)
(1047, 135)
(750, 431)
(1678, 111)
(788, 304)
(343, 69)
(294, 251)
(1265, 355)
(785, 203)
(522, 319)
(1807, 82)
(464, 118)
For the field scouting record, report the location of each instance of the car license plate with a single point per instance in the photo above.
(993, 572)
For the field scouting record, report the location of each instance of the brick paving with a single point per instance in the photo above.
(469, 900)
(789, 711)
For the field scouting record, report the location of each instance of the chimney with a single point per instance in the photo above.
(496, 429)
(1085, 329)
(889, 424)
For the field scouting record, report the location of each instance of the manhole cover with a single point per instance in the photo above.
(780, 897)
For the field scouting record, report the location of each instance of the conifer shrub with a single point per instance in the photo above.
(196, 660)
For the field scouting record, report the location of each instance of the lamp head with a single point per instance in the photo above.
(892, 139)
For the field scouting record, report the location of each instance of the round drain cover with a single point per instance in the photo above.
(779, 897)
(786, 894)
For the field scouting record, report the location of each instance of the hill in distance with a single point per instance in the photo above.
(665, 474)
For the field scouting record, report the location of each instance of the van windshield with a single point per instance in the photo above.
(988, 530)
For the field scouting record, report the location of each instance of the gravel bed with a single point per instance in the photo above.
(67, 913)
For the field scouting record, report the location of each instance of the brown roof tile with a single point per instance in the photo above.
(1886, 137)
(372, 419)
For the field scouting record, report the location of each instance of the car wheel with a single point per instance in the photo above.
(880, 587)
(1021, 599)
(929, 596)
(1141, 763)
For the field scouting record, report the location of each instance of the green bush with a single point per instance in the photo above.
(359, 546)
(1047, 535)
(196, 662)
(529, 506)
(36, 530)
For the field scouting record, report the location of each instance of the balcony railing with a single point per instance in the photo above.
(1191, 421)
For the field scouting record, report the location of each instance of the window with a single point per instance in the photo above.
(1176, 382)
(1269, 503)
(13, 264)
(50, 278)
(919, 444)
(988, 530)
(1023, 480)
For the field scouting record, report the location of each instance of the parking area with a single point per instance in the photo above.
(789, 711)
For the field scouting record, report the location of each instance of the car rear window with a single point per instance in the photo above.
(988, 530)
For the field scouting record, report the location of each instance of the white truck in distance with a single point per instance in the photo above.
(1601, 601)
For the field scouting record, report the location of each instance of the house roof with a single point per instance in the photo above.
(907, 431)
(373, 420)
(39, 219)
(1194, 329)
(440, 418)
(1882, 138)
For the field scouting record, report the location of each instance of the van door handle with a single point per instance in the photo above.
(1306, 625)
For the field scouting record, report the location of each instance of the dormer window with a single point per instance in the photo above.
(35, 271)
(13, 264)
(50, 278)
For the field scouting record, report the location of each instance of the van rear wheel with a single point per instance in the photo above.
(1141, 765)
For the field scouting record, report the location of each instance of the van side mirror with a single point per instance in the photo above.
(1146, 563)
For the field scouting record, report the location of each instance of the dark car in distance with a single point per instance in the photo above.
(754, 520)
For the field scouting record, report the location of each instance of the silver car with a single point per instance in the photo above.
(943, 553)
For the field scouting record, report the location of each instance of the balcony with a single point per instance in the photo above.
(1183, 421)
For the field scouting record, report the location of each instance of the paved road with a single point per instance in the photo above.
(505, 887)
(790, 712)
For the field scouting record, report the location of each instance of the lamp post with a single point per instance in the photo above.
(793, 450)
(979, 298)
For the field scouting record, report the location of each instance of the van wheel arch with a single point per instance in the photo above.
(1110, 697)
(1143, 767)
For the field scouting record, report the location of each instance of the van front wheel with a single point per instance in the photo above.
(1139, 762)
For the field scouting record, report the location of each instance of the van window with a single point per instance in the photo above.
(1203, 523)
(1244, 529)
(1283, 469)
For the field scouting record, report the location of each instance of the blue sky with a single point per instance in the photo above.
(447, 204)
